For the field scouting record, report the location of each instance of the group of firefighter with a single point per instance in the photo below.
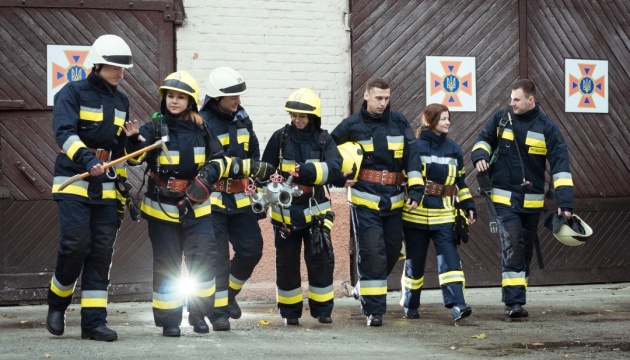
(203, 168)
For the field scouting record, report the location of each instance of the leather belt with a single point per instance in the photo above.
(170, 184)
(231, 186)
(382, 177)
(101, 154)
(306, 190)
(435, 189)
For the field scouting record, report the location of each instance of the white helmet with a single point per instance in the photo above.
(225, 81)
(572, 232)
(110, 50)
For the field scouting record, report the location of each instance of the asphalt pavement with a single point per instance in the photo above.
(574, 322)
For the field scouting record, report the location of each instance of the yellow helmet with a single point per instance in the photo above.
(183, 82)
(352, 155)
(304, 101)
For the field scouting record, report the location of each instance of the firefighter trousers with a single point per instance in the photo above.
(379, 241)
(450, 271)
(88, 233)
(518, 232)
(319, 268)
(243, 232)
(192, 239)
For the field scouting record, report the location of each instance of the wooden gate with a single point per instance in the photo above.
(28, 217)
(513, 39)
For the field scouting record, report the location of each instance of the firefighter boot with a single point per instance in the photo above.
(171, 331)
(235, 310)
(198, 323)
(412, 314)
(101, 333)
(516, 311)
(220, 324)
(375, 320)
(56, 321)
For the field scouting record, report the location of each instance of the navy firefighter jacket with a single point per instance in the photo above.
(320, 163)
(236, 134)
(388, 144)
(88, 114)
(442, 163)
(538, 139)
(192, 149)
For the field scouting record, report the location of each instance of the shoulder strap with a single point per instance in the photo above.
(283, 142)
(323, 135)
(502, 124)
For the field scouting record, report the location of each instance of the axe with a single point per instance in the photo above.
(155, 145)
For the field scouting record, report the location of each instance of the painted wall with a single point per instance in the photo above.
(277, 46)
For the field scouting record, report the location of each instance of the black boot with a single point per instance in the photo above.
(220, 324)
(375, 320)
(101, 333)
(171, 331)
(235, 310)
(198, 323)
(56, 321)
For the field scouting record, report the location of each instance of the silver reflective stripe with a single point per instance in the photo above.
(69, 141)
(438, 160)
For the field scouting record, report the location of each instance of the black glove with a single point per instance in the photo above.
(460, 229)
(184, 205)
(134, 210)
(329, 219)
(317, 238)
(262, 170)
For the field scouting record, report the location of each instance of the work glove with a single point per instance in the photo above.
(262, 170)
(317, 238)
(199, 189)
(134, 210)
(326, 232)
(460, 228)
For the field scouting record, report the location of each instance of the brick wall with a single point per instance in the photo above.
(277, 46)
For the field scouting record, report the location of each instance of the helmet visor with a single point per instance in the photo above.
(178, 84)
(299, 106)
(234, 89)
(119, 59)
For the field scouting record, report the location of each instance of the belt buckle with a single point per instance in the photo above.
(426, 187)
(383, 175)
(227, 184)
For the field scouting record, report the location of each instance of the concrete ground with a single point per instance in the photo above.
(575, 322)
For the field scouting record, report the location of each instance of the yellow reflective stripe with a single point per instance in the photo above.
(93, 298)
(223, 164)
(152, 208)
(167, 305)
(60, 290)
(242, 136)
(235, 283)
(373, 287)
(247, 167)
(501, 196)
(76, 188)
(507, 134)
(202, 209)
(511, 278)
(216, 199)
(242, 200)
(200, 155)
(562, 179)
(452, 277)
(205, 289)
(395, 142)
(91, 114)
(224, 139)
(287, 165)
(367, 145)
(537, 151)
(397, 201)
(323, 208)
(221, 301)
(360, 198)
(73, 148)
(320, 172)
(482, 145)
(167, 301)
(536, 140)
(321, 294)
(174, 158)
(464, 194)
(289, 297)
(413, 284)
(277, 214)
(415, 178)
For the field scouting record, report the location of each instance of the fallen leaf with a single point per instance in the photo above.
(46, 356)
(538, 344)
(263, 322)
(23, 321)
(480, 336)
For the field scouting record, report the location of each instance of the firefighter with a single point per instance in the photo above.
(88, 119)
(307, 152)
(377, 197)
(232, 216)
(444, 176)
(513, 148)
(177, 205)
